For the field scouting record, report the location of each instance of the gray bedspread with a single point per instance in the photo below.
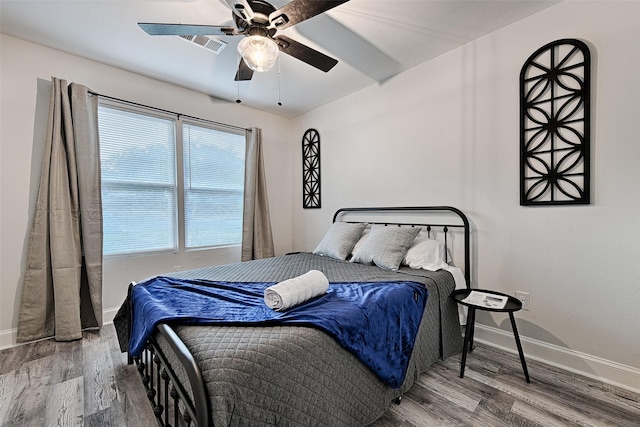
(300, 376)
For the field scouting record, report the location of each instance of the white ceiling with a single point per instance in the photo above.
(372, 39)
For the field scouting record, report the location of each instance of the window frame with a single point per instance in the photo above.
(179, 195)
(182, 192)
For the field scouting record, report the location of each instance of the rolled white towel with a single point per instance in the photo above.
(297, 290)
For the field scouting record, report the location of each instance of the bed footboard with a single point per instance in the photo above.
(169, 400)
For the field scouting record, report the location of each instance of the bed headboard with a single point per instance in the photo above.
(448, 220)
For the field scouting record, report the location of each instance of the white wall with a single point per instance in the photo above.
(447, 132)
(26, 71)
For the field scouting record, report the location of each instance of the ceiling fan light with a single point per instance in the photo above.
(258, 52)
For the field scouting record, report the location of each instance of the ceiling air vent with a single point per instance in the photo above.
(209, 43)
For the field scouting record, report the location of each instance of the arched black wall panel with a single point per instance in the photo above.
(555, 109)
(311, 169)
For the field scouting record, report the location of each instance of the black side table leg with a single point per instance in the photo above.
(472, 315)
(515, 334)
(468, 339)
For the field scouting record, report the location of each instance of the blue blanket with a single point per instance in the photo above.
(377, 322)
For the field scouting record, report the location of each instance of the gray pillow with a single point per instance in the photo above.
(386, 246)
(340, 239)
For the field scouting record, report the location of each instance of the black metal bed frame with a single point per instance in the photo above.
(164, 390)
(445, 226)
(170, 401)
(167, 396)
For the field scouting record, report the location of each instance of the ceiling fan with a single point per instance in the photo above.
(259, 22)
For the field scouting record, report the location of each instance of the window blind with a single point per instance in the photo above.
(139, 190)
(213, 185)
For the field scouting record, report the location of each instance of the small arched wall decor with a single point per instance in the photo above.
(311, 169)
(555, 95)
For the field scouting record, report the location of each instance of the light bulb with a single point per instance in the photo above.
(258, 52)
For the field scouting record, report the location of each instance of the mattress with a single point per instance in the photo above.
(300, 376)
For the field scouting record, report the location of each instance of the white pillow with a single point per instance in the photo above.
(385, 246)
(340, 239)
(426, 254)
(360, 241)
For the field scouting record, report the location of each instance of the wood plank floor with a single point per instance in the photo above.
(88, 383)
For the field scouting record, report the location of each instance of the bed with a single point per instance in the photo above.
(299, 375)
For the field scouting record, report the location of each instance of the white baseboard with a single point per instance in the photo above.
(8, 338)
(108, 315)
(607, 371)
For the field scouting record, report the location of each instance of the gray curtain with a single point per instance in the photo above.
(257, 239)
(62, 290)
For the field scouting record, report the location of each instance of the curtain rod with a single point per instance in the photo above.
(168, 111)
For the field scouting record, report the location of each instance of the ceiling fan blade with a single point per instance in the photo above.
(242, 8)
(299, 10)
(155, 29)
(244, 72)
(305, 53)
(350, 48)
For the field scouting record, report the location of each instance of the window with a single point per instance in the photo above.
(168, 185)
(213, 186)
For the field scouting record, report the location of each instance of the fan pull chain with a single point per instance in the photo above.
(238, 101)
(279, 83)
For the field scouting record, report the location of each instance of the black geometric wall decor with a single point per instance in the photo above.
(311, 169)
(555, 112)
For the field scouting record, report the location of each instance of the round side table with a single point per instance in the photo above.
(513, 304)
